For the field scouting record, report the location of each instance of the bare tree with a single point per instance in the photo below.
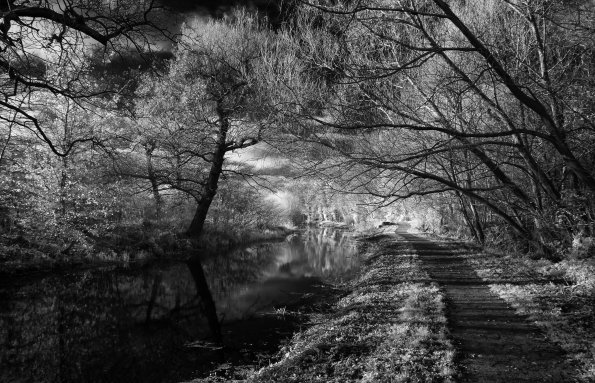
(432, 98)
(207, 103)
(47, 47)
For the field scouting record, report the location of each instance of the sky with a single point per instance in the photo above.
(183, 10)
(180, 11)
(217, 8)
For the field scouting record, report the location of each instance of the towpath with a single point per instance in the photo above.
(494, 343)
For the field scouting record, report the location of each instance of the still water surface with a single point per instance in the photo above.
(132, 325)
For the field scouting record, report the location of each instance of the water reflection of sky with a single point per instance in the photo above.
(130, 325)
(290, 269)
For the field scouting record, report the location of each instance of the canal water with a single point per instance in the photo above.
(149, 324)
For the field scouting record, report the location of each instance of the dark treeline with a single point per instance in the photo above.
(475, 118)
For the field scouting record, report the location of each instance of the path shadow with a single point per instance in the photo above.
(495, 343)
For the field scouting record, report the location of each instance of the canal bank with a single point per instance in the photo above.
(439, 311)
(386, 324)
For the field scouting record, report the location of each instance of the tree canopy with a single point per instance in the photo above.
(482, 111)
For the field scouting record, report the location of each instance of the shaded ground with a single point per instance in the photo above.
(494, 343)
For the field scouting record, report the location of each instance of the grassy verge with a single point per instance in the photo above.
(389, 326)
(559, 298)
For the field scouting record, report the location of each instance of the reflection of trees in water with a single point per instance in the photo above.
(326, 252)
(229, 272)
(125, 325)
(129, 325)
(229, 275)
(93, 327)
(204, 292)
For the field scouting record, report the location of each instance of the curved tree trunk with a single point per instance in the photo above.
(212, 182)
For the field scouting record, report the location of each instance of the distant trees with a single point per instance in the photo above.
(56, 201)
(487, 100)
(52, 101)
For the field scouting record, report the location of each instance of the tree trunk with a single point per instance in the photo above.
(154, 293)
(63, 183)
(474, 216)
(467, 217)
(477, 223)
(210, 191)
(540, 240)
(149, 148)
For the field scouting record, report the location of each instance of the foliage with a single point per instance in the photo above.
(125, 181)
(481, 120)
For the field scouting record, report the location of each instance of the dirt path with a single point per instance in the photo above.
(495, 344)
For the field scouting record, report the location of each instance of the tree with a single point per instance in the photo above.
(55, 201)
(46, 50)
(426, 98)
(208, 104)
